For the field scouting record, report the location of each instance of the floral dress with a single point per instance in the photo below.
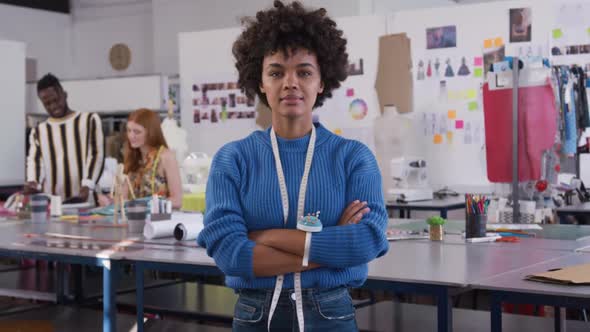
(146, 181)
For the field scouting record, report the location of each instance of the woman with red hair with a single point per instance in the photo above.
(151, 167)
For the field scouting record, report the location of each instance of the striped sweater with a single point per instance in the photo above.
(66, 154)
(243, 195)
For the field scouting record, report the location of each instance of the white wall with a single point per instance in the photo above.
(96, 29)
(12, 104)
(173, 17)
(46, 35)
(464, 166)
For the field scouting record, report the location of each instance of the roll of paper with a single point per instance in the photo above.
(158, 229)
(188, 231)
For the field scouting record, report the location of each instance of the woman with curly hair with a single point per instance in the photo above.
(291, 267)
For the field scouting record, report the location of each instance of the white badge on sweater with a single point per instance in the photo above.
(300, 208)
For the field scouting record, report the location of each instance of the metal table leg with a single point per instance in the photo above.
(109, 287)
(139, 295)
(444, 309)
(496, 312)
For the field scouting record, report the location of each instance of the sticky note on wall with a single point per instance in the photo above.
(478, 72)
(459, 124)
(498, 42)
(488, 43)
(449, 137)
(471, 94)
(437, 139)
(478, 61)
(452, 114)
(473, 106)
(557, 33)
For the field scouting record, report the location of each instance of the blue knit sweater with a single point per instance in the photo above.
(243, 195)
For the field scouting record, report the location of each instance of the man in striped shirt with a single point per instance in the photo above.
(66, 153)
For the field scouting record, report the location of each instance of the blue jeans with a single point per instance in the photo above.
(323, 309)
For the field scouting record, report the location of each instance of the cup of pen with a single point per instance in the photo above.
(476, 216)
(39, 205)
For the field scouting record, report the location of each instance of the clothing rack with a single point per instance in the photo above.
(535, 78)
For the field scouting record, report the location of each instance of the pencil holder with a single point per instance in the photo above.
(436, 232)
(435, 228)
(475, 225)
(136, 215)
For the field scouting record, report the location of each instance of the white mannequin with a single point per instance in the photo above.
(394, 135)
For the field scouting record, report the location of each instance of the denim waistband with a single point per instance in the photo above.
(317, 294)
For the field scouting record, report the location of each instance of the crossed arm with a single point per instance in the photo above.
(280, 251)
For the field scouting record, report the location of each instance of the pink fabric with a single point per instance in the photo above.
(537, 126)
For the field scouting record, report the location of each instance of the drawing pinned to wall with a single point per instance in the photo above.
(441, 37)
(424, 124)
(520, 25)
(437, 67)
(220, 102)
(442, 124)
(449, 70)
(355, 67)
(530, 51)
(463, 70)
(429, 69)
(358, 109)
(477, 134)
(467, 136)
(196, 115)
(432, 124)
(491, 56)
(442, 91)
(420, 75)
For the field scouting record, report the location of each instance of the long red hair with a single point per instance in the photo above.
(154, 137)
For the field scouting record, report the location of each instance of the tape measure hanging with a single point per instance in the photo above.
(300, 210)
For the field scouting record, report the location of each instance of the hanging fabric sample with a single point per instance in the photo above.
(536, 131)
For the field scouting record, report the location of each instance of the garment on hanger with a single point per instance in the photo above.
(536, 131)
(581, 99)
(570, 142)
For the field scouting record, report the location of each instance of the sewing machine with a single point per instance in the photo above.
(410, 180)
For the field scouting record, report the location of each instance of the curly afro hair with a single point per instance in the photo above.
(286, 28)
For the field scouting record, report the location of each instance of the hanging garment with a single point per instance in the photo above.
(581, 100)
(536, 131)
(570, 142)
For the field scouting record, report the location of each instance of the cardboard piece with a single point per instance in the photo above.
(571, 275)
(394, 82)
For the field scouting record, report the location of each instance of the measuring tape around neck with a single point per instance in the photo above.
(300, 210)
